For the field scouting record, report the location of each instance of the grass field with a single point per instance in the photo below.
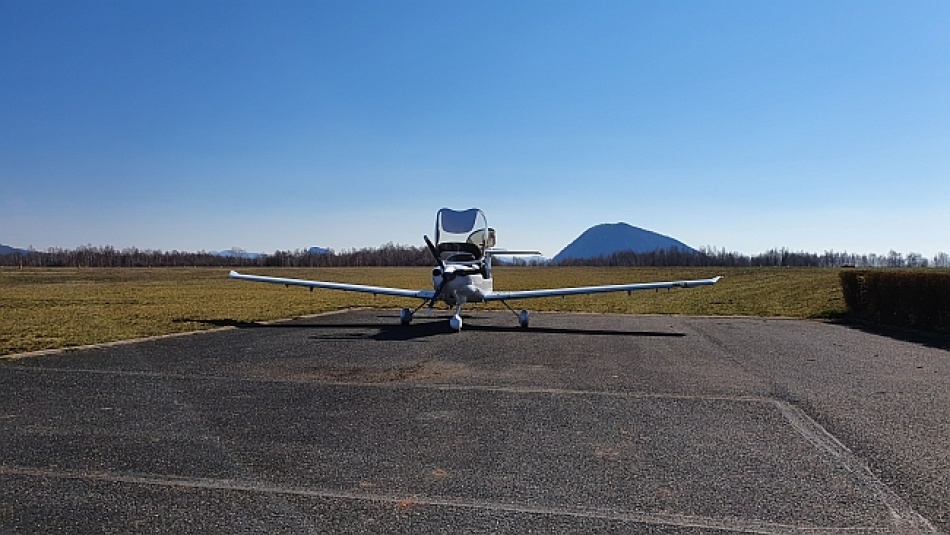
(56, 308)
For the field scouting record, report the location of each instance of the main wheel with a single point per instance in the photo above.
(523, 319)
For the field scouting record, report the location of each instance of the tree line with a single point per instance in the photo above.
(709, 256)
(110, 257)
(405, 255)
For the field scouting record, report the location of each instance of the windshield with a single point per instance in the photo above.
(461, 231)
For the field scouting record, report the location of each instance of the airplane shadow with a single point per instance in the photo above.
(377, 331)
(562, 330)
(392, 330)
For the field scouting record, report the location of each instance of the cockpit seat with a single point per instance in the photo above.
(460, 252)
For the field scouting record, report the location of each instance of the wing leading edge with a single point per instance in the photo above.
(375, 290)
(554, 292)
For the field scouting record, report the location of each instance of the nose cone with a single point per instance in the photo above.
(447, 274)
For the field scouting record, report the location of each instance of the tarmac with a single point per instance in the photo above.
(583, 423)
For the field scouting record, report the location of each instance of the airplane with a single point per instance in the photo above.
(463, 251)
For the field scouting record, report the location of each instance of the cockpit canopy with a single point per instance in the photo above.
(462, 235)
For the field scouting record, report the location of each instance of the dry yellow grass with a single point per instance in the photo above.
(45, 309)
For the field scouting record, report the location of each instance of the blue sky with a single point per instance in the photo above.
(743, 125)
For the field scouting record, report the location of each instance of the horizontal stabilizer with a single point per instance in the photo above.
(506, 252)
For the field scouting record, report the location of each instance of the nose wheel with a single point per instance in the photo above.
(456, 322)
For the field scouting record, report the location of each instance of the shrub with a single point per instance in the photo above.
(918, 299)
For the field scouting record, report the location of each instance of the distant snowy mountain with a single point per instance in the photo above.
(236, 252)
(608, 238)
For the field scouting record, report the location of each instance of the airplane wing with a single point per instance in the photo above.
(375, 290)
(553, 292)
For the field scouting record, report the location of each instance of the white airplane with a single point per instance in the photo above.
(463, 249)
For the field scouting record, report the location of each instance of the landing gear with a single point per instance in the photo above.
(405, 316)
(522, 316)
(456, 321)
(523, 319)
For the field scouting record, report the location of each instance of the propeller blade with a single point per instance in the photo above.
(437, 294)
(435, 252)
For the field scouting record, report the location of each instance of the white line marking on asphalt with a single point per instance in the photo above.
(404, 501)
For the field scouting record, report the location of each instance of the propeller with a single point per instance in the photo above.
(435, 252)
(445, 274)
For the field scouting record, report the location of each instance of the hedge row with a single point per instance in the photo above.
(918, 299)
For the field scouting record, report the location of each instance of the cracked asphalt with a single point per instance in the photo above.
(352, 423)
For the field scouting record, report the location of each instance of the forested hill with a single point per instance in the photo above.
(6, 249)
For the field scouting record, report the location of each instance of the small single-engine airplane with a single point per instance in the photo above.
(463, 249)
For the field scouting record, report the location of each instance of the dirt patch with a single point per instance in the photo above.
(319, 373)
